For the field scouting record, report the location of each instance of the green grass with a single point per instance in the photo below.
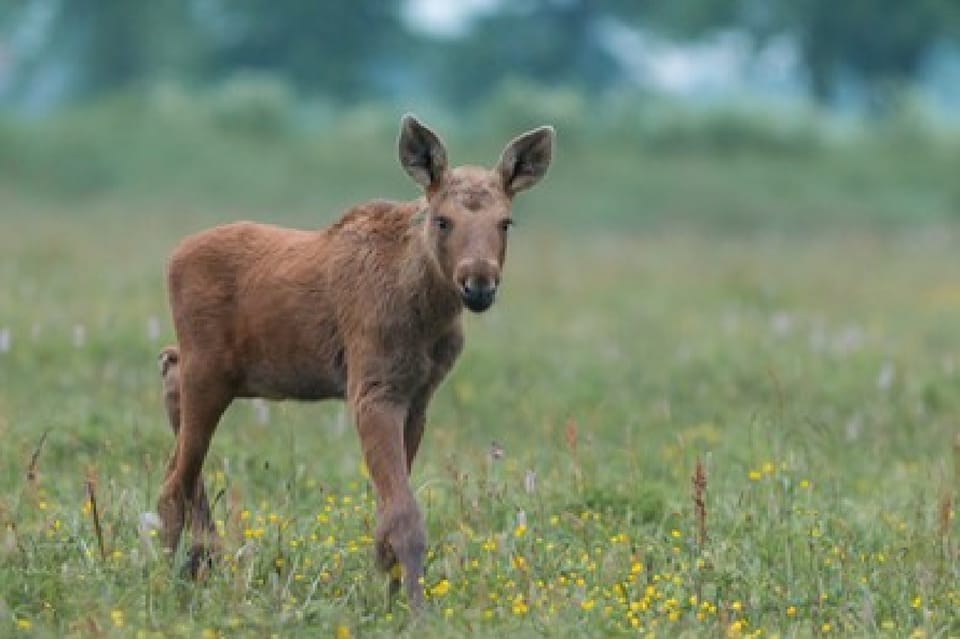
(811, 361)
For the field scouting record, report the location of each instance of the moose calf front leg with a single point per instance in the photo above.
(400, 536)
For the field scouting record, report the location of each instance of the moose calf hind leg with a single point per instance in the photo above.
(169, 362)
(182, 497)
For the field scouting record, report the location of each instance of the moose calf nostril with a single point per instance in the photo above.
(478, 295)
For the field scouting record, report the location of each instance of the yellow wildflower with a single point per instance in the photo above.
(117, 617)
(519, 606)
(442, 588)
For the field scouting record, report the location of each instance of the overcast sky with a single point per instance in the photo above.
(444, 17)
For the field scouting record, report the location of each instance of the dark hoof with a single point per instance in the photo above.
(415, 599)
(199, 563)
(393, 590)
(386, 559)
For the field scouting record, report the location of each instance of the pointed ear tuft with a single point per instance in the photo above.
(422, 154)
(525, 159)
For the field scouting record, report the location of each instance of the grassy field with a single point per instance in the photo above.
(802, 346)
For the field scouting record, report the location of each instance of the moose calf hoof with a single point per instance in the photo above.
(386, 559)
(199, 563)
(393, 589)
(415, 597)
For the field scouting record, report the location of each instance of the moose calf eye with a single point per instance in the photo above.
(505, 225)
(442, 223)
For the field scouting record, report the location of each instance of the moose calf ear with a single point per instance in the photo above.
(422, 154)
(525, 160)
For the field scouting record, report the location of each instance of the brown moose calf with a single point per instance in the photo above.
(367, 310)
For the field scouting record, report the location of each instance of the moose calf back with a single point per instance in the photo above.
(255, 302)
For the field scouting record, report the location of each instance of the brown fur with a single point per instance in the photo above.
(367, 310)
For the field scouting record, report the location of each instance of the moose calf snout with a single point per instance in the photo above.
(478, 297)
(478, 281)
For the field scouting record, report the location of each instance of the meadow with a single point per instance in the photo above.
(719, 396)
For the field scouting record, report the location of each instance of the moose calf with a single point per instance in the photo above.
(367, 310)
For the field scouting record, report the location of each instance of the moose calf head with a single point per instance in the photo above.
(467, 215)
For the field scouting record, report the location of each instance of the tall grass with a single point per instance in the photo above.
(718, 396)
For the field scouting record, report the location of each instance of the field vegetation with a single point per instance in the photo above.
(719, 396)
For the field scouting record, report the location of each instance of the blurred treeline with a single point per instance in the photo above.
(259, 104)
(366, 50)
